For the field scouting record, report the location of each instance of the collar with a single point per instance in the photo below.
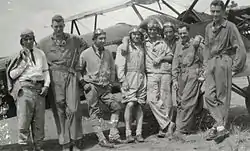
(65, 36)
(157, 41)
(223, 24)
(98, 51)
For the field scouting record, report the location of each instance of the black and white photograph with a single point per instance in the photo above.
(125, 75)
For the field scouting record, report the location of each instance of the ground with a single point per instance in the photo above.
(239, 140)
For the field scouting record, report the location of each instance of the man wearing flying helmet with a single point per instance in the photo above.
(28, 82)
(158, 69)
(98, 74)
(131, 75)
(63, 51)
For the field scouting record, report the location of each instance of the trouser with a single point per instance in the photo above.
(166, 94)
(155, 99)
(218, 88)
(94, 97)
(30, 113)
(66, 110)
(187, 100)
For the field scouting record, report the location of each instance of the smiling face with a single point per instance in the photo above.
(100, 40)
(184, 34)
(136, 37)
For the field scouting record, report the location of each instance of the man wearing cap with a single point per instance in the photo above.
(132, 76)
(28, 82)
(186, 70)
(159, 76)
(62, 51)
(225, 55)
(98, 74)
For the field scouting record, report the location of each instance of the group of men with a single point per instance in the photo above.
(146, 66)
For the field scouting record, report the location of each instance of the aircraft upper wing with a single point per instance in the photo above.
(100, 11)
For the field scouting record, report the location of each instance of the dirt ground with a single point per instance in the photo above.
(239, 140)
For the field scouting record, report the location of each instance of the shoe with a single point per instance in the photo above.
(178, 137)
(221, 135)
(130, 139)
(139, 138)
(161, 134)
(117, 141)
(211, 134)
(106, 144)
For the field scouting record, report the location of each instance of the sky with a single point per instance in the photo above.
(17, 15)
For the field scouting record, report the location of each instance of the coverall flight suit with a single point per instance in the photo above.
(63, 63)
(224, 53)
(131, 68)
(186, 67)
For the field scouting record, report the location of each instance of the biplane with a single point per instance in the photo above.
(197, 21)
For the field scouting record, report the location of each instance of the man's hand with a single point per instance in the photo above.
(125, 42)
(175, 85)
(157, 61)
(125, 85)
(44, 91)
(201, 79)
(87, 87)
(197, 40)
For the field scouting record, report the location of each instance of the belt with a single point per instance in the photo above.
(62, 68)
(184, 69)
(35, 81)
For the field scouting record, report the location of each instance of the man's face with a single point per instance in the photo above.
(100, 40)
(58, 27)
(217, 12)
(136, 37)
(28, 42)
(168, 33)
(152, 32)
(184, 34)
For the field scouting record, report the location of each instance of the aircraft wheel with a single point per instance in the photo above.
(247, 99)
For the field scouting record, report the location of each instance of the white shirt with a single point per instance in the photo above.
(33, 71)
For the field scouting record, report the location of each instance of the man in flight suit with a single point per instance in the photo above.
(222, 41)
(63, 51)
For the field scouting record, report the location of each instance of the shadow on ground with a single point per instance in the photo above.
(238, 119)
